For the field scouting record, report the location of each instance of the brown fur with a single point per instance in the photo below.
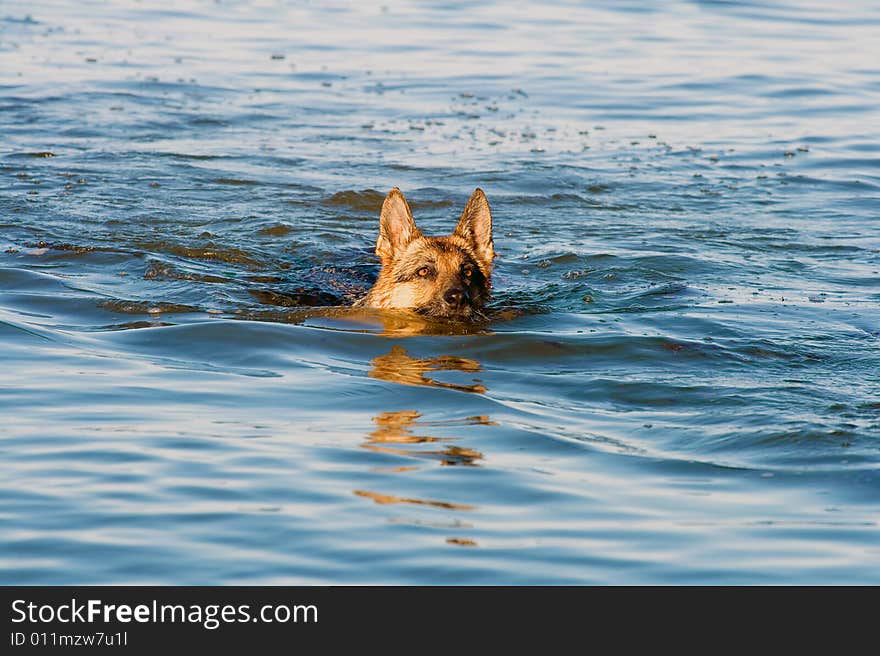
(439, 277)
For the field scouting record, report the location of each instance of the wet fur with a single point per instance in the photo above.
(429, 275)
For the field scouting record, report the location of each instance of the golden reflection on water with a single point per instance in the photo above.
(402, 432)
(390, 498)
(397, 427)
(397, 366)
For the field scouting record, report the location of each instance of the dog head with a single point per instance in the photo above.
(439, 277)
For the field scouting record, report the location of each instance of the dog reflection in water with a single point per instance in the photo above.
(400, 432)
(394, 434)
(396, 428)
(398, 366)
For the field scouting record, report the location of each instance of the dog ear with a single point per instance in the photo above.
(397, 228)
(475, 226)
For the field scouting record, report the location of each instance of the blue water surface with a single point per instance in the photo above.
(682, 381)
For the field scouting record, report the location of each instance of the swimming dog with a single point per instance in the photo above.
(437, 277)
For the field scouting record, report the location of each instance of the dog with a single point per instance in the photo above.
(446, 278)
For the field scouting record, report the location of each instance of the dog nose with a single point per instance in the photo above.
(455, 296)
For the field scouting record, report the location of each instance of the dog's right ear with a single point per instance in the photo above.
(475, 226)
(397, 228)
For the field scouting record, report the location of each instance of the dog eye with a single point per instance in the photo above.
(468, 271)
(424, 271)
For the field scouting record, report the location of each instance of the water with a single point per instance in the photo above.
(685, 198)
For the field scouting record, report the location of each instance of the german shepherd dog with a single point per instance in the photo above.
(437, 277)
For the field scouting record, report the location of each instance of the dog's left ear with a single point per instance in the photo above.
(397, 228)
(475, 225)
